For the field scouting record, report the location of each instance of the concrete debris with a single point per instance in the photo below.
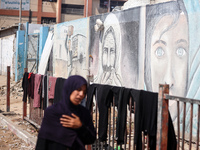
(15, 89)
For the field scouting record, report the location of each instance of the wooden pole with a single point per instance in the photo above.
(8, 89)
(162, 118)
(24, 103)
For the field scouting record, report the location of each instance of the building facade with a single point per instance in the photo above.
(51, 11)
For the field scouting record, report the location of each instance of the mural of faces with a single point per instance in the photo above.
(109, 51)
(109, 46)
(169, 54)
(167, 48)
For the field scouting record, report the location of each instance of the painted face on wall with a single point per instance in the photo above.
(169, 54)
(109, 51)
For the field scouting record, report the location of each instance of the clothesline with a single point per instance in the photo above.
(40, 90)
(43, 88)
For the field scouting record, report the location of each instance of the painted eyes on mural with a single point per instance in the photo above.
(112, 50)
(105, 50)
(180, 52)
(159, 52)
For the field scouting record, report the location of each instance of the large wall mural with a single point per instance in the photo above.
(167, 51)
(70, 48)
(138, 48)
(113, 48)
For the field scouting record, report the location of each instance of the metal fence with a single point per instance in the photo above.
(183, 142)
(111, 142)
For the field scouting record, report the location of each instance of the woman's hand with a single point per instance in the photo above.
(73, 122)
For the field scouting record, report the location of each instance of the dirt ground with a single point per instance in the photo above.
(15, 95)
(8, 140)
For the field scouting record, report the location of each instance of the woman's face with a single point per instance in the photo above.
(169, 55)
(108, 56)
(78, 95)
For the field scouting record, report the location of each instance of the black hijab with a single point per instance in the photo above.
(51, 127)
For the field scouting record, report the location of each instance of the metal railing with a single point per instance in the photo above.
(162, 128)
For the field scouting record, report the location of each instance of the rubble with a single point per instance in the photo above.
(8, 140)
(15, 89)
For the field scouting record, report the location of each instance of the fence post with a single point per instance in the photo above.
(8, 89)
(49, 73)
(24, 103)
(162, 118)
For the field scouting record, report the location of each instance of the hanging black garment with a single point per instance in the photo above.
(145, 117)
(116, 93)
(90, 93)
(146, 121)
(104, 99)
(25, 86)
(31, 81)
(124, 96)
(58, 89)
(45, 93)
(121, 115)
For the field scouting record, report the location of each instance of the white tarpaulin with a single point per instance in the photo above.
(45, 54)
(7, 54)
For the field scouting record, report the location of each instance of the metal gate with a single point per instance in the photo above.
(33, 53)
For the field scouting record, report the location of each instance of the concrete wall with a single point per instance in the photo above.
(141, 48)
(49, 7)
(7, 21)
(68, 17)
(7, 54)
(33, 5)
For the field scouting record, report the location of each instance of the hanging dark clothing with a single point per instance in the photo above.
(121, 117)
(52, 129)
(31, 82)
(45, 92)
(135, 94)
(124, 96)
(58, 89)
(25, 86)
(116, 90)
(90, 92)
(104, 99)
(146, 121)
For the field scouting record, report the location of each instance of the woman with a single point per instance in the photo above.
(67, 124)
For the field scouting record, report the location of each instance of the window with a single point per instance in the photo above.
(46, 20)
(72, 9)
(103, 3)
(113, 4)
